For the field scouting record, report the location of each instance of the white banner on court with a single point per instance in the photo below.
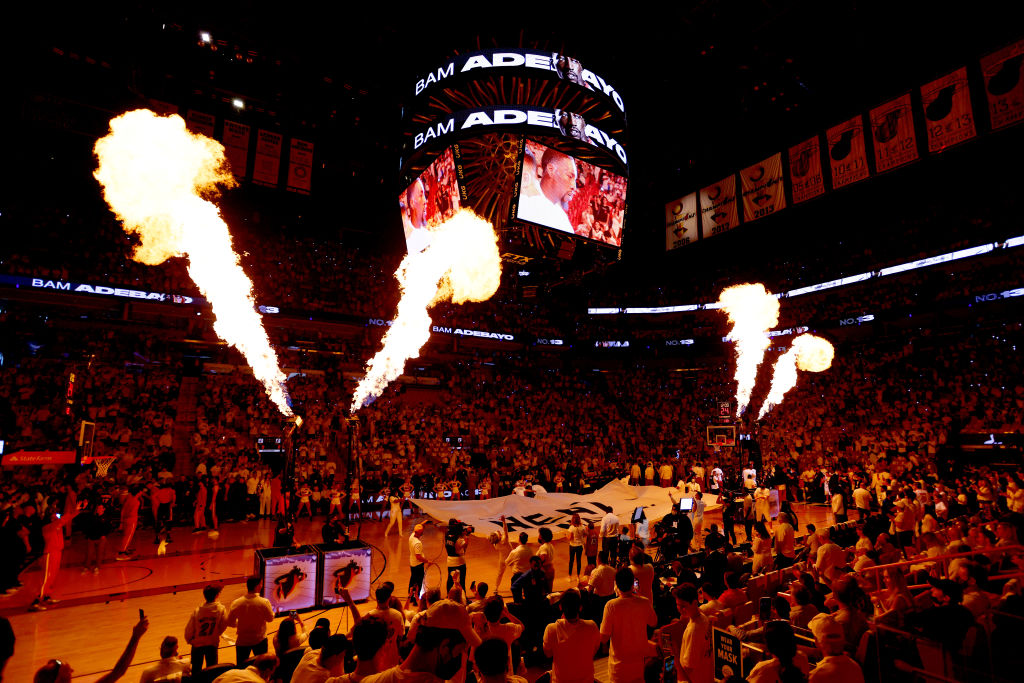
(555, 510)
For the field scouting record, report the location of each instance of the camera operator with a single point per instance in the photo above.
(456, 539)
(675, 532)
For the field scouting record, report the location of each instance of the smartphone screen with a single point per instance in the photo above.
(764, 608)
(669, 670)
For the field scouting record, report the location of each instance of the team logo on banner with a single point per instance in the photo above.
(718, 207)
(892, 129)
(236, 146)
(1004, 85)
(267, 168)
(681, 222)
(847, 155)
(300, 166)
(198, 122)
(948, 116)
(762, 188)
(805, 176)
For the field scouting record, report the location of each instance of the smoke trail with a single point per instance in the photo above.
(461, 264)
(753, 311)
(155, 175)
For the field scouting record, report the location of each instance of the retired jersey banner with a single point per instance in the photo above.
(847, 154)
(1004, 86)
(762, 188)
(555, 510)
(267, 168)
(300, 166)
(201, 123)
(718, 208)
(948, 116)
(681, 222)
(892, 131)
(236, 147)
(805, 176)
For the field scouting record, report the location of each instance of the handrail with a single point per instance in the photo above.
(944, 559)
(938, 558)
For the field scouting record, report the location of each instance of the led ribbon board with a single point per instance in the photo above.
(533, 63)
(538, 120)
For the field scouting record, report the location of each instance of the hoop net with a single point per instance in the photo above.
(103, 464)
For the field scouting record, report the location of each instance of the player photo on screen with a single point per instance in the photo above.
(290, 582)
(572, 125)
(569, 69)
(430, 200)
(561, 192)
(346, 570)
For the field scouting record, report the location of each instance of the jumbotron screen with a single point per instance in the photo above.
(430, 200)
(560, 192)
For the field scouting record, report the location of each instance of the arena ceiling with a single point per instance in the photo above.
(709, 86)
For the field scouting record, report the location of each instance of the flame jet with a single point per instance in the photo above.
(461, 264)
(808, 353)
(752, 310)
(158, 179)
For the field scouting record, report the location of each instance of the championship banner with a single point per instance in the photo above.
(555, 510)
(267, 168)
(198, 122)
(236, 147)
(847, 154)
(718, 207)
(805, 176)
(948, 116)
(300, 166)
(1004, 87)
(762, 188)
(892, 130)
(681, 222)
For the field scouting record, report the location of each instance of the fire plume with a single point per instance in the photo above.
(808, 353)
(752, 310)
(159, 178)
(461, 264)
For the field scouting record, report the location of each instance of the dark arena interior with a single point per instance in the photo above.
(610, 405)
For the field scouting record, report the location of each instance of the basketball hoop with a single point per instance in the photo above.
(103, 464)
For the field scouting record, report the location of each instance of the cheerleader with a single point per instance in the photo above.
(559, 482)
(335, 497)
(485, 488)
(304, 492)
(383, 495)
(354, 498)
(407, 490)
(395, 513)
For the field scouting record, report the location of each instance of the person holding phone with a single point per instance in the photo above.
(53, 550)
(59, 671)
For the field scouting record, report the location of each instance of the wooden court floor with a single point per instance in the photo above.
(91, 625)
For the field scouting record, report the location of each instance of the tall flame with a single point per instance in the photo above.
(155, 175)
(753, 311)
(808, 353)
(461, 264)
